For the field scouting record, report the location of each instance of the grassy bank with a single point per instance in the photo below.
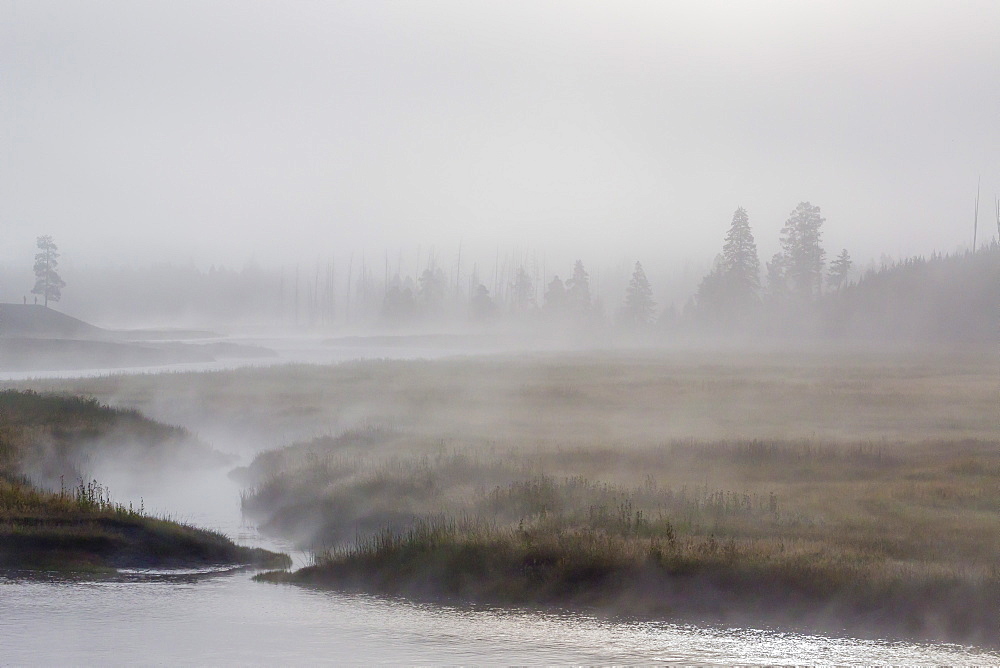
(80, 527)
(84, 530)
(53, 437)
(821, 490)
(745, 582)
(878, 539)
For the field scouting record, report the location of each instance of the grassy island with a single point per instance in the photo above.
(733, 582)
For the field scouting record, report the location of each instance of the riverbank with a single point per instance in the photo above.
(84, 530)
(876, 540)
(731, 583)
(53, 438)
(809, 492)
(37, 338)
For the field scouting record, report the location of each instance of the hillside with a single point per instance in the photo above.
(39, 322)
(36, 338)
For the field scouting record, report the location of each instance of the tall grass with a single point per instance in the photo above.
(82, 526)
(53, 436)
(895, 536)
(19, 498)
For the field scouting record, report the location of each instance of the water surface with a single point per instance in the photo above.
(226, 618)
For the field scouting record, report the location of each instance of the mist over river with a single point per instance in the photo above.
(223, 618)
(560, 332)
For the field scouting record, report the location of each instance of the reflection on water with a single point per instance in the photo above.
(225, 618)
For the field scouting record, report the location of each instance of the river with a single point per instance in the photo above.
(224, 618)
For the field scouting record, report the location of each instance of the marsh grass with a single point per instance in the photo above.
(54, 437)
(793, 583)
(934, 500)
(638, 397)
(17, 496)
(82, 526)
(860, 484)
(898, 537)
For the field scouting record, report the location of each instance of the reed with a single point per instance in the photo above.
(82, 527)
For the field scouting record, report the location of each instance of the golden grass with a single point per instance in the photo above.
(84, 528)
(638, 397)
(844, 482)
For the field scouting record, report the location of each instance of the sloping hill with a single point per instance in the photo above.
(36, 338)
(38, 322)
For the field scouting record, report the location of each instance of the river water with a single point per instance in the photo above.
(228, 619)
(224, 618)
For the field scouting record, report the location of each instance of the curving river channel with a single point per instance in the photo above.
(224, 618)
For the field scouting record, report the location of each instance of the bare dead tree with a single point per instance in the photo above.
(975, 224)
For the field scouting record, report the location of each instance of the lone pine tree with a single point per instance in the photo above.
(48, 284)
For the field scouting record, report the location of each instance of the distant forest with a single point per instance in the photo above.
(797, 294)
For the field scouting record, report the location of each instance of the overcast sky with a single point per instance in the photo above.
(221, 131)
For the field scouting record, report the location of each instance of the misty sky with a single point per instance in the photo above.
(221, 131)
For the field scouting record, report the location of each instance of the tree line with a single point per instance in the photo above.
(733, 288)
(795, 275)
(796, 292)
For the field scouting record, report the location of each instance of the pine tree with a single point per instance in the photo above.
(839, 270)
(555, 296)
(523, 291)
(801, 250)
(578, 290)
(740, 259)
(47, 281)
(777, 279)
(398, 305)
(481, 303)
(639, 305)
(711, 296)
(433, 284)
(733, 285)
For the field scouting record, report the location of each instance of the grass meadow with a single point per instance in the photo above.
(835, 491)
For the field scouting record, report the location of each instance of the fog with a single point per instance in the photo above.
(220, 133)
(700, 299)
(756, 456)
